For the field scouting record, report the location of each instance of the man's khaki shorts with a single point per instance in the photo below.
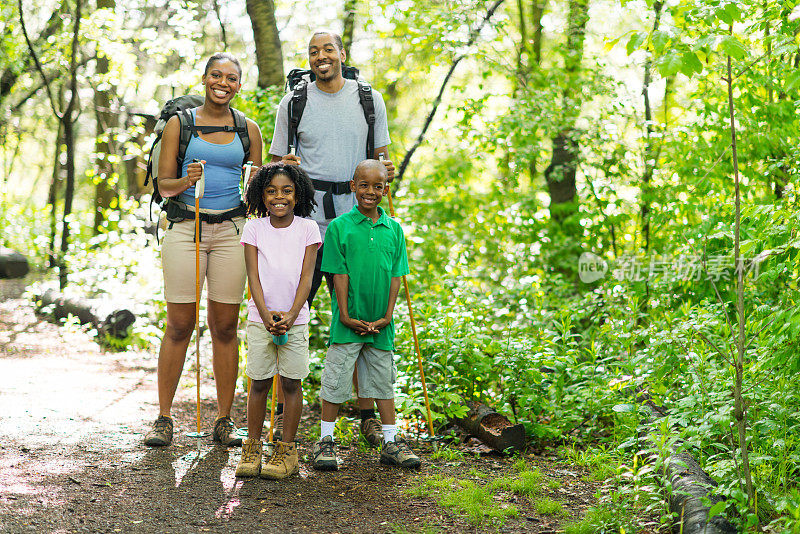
(265, 358)
(376, 372)
(221, 261)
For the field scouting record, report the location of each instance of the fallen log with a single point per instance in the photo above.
(13, 264)
(99, 313)
(691, 486)
(492, 428)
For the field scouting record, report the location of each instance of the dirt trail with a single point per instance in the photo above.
(71, 458)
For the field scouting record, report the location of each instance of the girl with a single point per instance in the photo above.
(280, 250)
(221, 260)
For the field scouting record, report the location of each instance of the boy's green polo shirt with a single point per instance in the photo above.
(371, 255)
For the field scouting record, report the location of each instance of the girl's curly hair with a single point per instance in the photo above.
(303, 189)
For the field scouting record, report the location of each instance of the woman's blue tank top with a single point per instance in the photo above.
(223, 172)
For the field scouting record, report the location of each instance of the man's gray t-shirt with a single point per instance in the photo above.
(332, 139)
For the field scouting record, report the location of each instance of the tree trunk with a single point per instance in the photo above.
(740, 408)
(349, 23)
(269, 57)
(105, 190)
(650, 152)
(69, 144)
(560, 174)
(52, 198)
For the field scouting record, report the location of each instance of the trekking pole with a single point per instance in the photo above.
(414, 332)
(248, 167)
(283, 338)
(199, 189)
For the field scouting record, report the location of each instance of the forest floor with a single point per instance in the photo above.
(72, 460)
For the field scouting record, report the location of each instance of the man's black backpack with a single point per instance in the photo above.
(297, 81)
(180, 106)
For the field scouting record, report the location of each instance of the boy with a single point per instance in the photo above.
(365, 252)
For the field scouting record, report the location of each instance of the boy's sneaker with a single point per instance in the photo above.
(277, 432)
(224, 432)
(250, 462)
(371, 430)
(161, 433)
(283, 463)
(324, 453)
(398, 452)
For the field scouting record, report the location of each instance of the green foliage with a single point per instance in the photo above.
(501, 316)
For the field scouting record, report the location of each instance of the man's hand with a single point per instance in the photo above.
(290, 159)
(389, 168)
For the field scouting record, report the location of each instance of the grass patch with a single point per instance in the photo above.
(464, 498)
(476, 503)
(416, 529)
(599, 520)
(547, 506)
(431, 485)
(602, 464)
(448, 454)
(520, 465)
(529, 483)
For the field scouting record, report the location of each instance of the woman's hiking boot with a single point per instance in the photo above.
(161, 433)
(224, 432)
(371, 430)
(277, 432)
(324, 454)
(283, 463)
(398, 452)
(250, 462)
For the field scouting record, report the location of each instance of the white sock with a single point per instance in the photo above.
(327, 429)
(389, 432)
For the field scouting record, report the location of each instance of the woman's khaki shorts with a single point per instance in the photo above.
(376, 372)
(265, 358)
(221, 261)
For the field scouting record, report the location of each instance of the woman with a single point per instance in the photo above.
(221, 255)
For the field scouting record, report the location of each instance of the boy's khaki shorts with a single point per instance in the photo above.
(376, 372)
(265, 358)
(221, 261)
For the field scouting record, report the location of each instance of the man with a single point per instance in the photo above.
(331, 141)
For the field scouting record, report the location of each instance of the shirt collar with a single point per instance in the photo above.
(359, 217)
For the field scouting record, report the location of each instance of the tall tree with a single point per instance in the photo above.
(560, 174)
(67, 115)
(349, 23)
(269, 56)
(105, 190)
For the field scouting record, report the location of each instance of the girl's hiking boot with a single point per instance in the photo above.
(250, 462)
(161, 433)
(224, 432)
(371, 430)
(398, 452)
(277, 432)
(283, 463)
(324, 453)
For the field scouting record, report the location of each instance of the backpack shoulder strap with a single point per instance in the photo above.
(367, 103)
(187, 131)
(296, 106)
(240, 123)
